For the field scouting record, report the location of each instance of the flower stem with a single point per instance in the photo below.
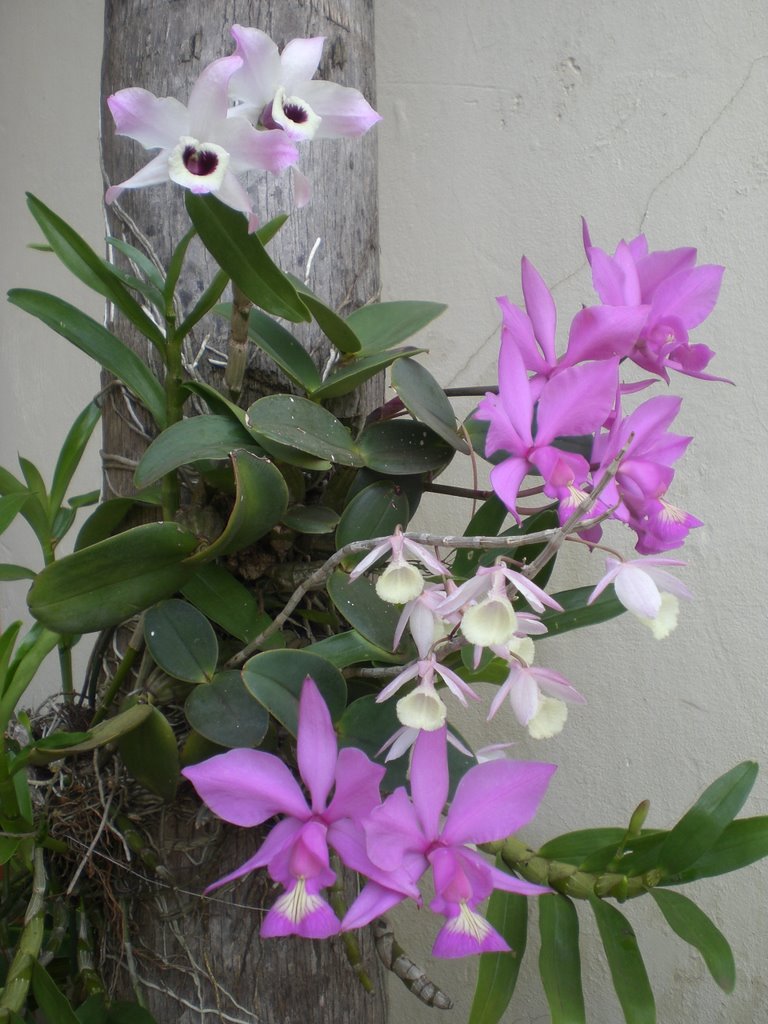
(135, 644)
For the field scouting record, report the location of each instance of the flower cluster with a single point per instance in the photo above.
(246, 112)
(392, 844)
(650, 302)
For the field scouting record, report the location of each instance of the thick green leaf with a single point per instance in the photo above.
(559, 960)
(9, 572)
(349, 648)
(31, 509)
(55, 1006)
(261, 498)
(351, 373)
(104, 520)
(367, 726)
(189, 441)
(700, 827)
(336, 330)
(34, 481)
(316, 519)
(205, 303)
(56, 746)
(78, 257)
(104, 584)
(575, 847)
(275, 679)
(693, 926)
(289, 354)
(224, 233)
(216, 402)
(298, 423)
(97, 342)
(10, 506)
(181, 640)
(225, 601)
(742, 842)
(72, 452)
(150, 754)
(7, 641)
(403, 446)
(382, 325)
(363, 609)
(373, 512)
(225, 712)
(577, 613)
(425, 400)
(630, 978)
(497, 977)
(140, 260)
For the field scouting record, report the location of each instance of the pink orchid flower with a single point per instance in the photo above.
(200, 147)
(246, 787)
(405, 838)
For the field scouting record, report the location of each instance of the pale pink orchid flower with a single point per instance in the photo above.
(201, 148)
(646, 589)
(524, 686)
(400, 582)
(423, 707)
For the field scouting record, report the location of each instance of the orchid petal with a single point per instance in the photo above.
(344, 112)
(154, 122)
(316, 748)
(300, 912)
(281, 836)
(392, 830)
(495, 799)
(153, 173)
(259, 77)
(576, 401)
(373, 901)
(429, 779)
(357, 786)
(208, 101)
(540, 307)
(690, 295)
(465, 934)
(245, 787)
(656, 267)
(517, 330)
(509, 883)
(252, 150)
(506, 479)
(637, 591)
(602, 332)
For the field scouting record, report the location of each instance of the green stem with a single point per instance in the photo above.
(567, 879)
(14, 995)
(65, 665)
(174, 404)
(351, 946)
(135, 644)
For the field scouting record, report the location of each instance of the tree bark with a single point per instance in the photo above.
(197, 961)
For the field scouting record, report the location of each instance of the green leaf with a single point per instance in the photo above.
(140, 259)
(7, 641)
(75, 253)
(97, 342)
(315, 519)
(373, 512)
(104, 520)
(224, 600)
(577, 613)
(497, 977)
(403, 446)
(56, 746)
(10, 506)
(363, 609)
(225, 713)
(34, 481)
(9, 572)
(382, 325)
(109, 582)
(575, 847)
(289, 354)
(216, 402)
(559, 960)
(275, 679)
(350, 648)
(189, 441)
(486, 522)
(31, 509)
(181, 640)
(205, 303)
(298, 423)
(700, 828)
(630, 978)
(354, 372)
(150, 754)
(693, 926)
(336, 330)
(425, 400)
(224, 233)
(128, 1013)
(261, 498)
(72, 452)
(54, 1004)
(175, 264)
(742, 842)
(367, 726)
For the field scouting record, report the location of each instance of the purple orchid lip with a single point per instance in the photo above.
(200, 161)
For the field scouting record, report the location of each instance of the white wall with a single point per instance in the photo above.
(503, 123)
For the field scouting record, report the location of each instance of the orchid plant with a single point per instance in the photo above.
(347, 740)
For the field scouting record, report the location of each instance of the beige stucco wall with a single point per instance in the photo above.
(503, 122)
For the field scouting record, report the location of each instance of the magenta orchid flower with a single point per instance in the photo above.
(246, 787)
(575, 401)
(405, 839)
(201, 148)
(676, 293)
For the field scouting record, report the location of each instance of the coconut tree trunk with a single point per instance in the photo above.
(193, 961)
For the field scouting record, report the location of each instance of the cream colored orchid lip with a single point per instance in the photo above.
(422, 709)
(294, 116)
(198, 166)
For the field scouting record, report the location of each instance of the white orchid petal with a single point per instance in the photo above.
(637, 591)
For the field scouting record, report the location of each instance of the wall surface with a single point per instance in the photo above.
(503, 123)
